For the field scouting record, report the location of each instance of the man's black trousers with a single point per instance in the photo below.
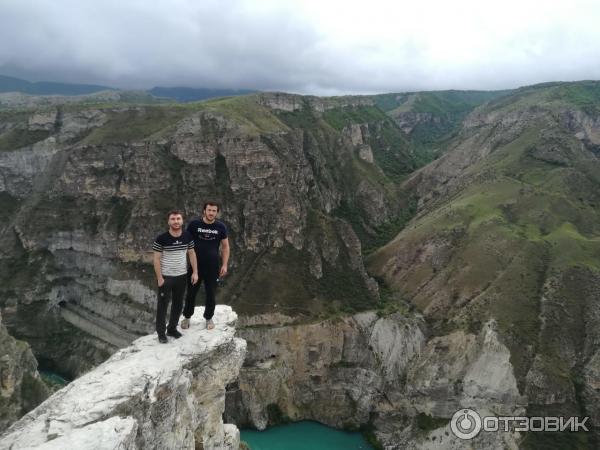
(172, 290)
(208, 273)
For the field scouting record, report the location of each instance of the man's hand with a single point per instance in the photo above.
(161, 281)
(194, 278)
(223, 271)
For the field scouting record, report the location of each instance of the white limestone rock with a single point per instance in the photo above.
(42, 121)
(168, 396)
(365, 152)
(114, 433)
(333, 371)
(396, 340)
(464, 370)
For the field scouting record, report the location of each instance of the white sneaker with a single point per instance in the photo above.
(185, 324)
(210, 324)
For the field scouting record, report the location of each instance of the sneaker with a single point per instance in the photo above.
(174, 333)
(185, 324)
(209, 324)
(162, 339)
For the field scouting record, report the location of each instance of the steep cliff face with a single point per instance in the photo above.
(146, 396)
(85, 191)
(335, 371)
(21, 388)
(388, 371)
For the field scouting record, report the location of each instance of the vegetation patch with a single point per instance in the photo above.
(304, 118)
(426, 423)
(120, 213)
(278, 281)
(134, 124)
(368, 431)
(338, 118)
(559, 440)
(8, 205)
(391, 301)
(391, 150)
(374, 237)
(276, 415)
(18, 138)
(584, 95)
(245, 110)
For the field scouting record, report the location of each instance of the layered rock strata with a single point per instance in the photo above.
(333, 371)
(85, 189)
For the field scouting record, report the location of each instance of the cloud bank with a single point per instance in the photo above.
(319, 47)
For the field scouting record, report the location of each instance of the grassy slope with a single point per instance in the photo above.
(528, 204)
(518, 233)
(447, 110)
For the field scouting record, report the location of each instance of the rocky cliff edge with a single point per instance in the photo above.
(147, 395)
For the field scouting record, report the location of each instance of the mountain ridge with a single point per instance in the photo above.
(46, 88)
(482, 235)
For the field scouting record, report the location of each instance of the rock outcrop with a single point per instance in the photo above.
(146, 396)
(385, 371)
(21, 388)
(335, 371)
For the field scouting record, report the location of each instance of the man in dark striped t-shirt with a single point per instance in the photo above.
(170, 265)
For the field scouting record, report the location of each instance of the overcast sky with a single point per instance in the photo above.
(307, 46)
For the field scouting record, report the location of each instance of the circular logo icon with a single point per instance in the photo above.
(465, 424)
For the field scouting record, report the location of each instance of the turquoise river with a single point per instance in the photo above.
(304, 436)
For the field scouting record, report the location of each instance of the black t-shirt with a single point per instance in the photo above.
(173, 260)
(207, 238)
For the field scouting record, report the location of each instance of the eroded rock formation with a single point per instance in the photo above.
(146, 396)
(21, 387)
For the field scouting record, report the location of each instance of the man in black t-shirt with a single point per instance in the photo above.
(171, 250)
(210, 236)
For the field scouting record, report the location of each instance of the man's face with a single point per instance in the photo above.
(175, 221)
(211, 212)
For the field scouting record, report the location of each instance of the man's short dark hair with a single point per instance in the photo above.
(175, 212)
(210, 203)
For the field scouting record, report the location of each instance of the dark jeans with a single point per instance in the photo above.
(208, 272)
(172, 290)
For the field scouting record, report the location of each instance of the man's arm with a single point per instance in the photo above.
(157, 271)
(224, 257)
(192, 256)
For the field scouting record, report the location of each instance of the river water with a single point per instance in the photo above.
(304, 436)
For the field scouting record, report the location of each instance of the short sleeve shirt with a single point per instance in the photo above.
(207, 238)
(173, 261)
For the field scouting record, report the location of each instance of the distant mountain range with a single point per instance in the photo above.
(185, 94)
(10, 84)
(180, 94)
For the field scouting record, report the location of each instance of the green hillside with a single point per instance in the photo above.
(514, 237)
(437, 116)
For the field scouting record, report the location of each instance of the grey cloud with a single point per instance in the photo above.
(227, 43)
